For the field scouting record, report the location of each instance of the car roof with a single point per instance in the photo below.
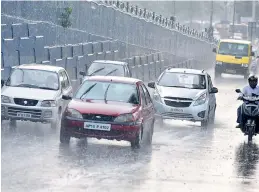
(115, 79)
(110, 62)
(235, 41)
(40, 67)
(184, 70)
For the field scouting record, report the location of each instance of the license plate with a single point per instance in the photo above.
(230, 71)
(176, 110)
(97, 126)
(25, 115)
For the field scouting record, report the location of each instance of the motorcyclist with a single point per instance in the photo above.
(248, 90)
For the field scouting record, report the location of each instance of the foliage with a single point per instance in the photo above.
(65, 19)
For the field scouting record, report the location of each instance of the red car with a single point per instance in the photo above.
(109, 107)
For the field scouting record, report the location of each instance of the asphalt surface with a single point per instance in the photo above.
(183, 157)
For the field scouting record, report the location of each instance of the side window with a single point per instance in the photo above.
(210, 83)
(66, 79)
(142, 95)
(147, 95)
(62, 80)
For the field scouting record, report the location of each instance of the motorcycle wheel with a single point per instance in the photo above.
(250, 134)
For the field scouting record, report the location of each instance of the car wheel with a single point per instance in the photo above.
(64, 137)
(137, 142)
(13, 124)
(151, 131)
(205, 122)
(56, 124)
(212, 120)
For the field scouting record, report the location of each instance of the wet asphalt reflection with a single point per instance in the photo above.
(183, 157)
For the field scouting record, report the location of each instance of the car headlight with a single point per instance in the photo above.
(73, 113)
(157, 97)
(124, 118)
(201, 100)
(218, 63)
(48, 103)
(5, 99)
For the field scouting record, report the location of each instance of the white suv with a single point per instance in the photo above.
(33, 92)
(185, 94)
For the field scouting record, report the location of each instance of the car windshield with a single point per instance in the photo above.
(235, 49)
(33, 79)
(183, 80)
(109, 91)
(106, 69)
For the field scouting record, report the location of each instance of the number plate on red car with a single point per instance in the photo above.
(97, 126)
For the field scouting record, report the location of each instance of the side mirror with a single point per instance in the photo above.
(214, 50)
(82, 73)
(238, 91)
(252, 54)
(214, 90)
(66, 97)
(151, 85)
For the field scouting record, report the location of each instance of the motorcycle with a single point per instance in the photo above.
(249, 108)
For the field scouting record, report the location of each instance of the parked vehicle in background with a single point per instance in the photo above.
(185, 94)
(108, 68)
(233, 57)
(109, 107)
(33, 92)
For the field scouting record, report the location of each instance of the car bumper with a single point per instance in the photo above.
(232, 68)
(191, 113)
(119, 131)
(28, 113)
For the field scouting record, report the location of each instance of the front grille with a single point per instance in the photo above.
(102, 133)
(232, 66)
(177, 104)
(35, 113)
(25, 102)
(177, 115)
(97, 117)
(178, 98)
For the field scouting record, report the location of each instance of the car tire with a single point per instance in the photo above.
(151, 131)
(64, 137)
(212, 120)
(205, 122)
(137, 142)
(56, 124)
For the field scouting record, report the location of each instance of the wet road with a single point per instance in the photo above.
(183, 157)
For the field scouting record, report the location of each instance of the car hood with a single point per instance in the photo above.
(180, 92)
(29, 93)
(101, 107)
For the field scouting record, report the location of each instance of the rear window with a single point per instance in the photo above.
(97, 90)
(108, 69)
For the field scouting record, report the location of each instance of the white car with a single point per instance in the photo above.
(185, 94)
(33, 92)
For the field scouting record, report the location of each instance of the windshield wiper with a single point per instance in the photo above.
(111, 72)
(179, 87)
(97, 71)
(89, 89)
(27, 85)
(47, 88)
(105, 94)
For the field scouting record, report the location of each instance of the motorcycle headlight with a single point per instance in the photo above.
(5, 99)
(201, 100)
(73, 113)
(218, 63)
(124, 118)
(48, 103)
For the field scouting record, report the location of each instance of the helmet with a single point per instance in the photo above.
(253, 81)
